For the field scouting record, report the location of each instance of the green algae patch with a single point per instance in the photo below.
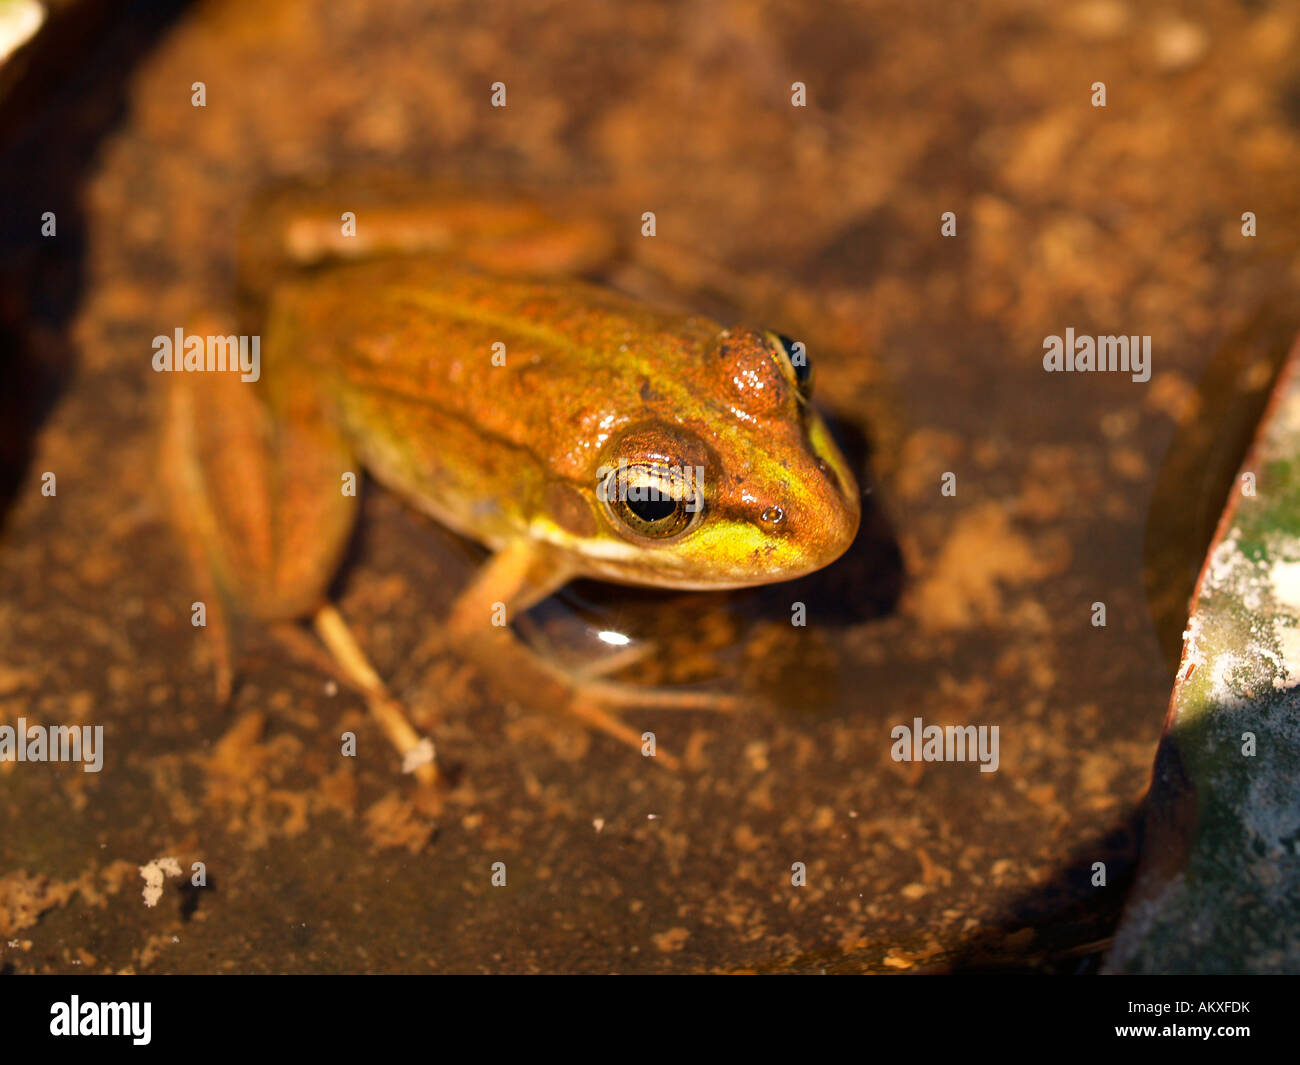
(1219, 886)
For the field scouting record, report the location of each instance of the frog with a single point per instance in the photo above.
(460, 354)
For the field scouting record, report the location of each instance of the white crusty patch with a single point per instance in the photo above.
(154, 874)
(423, 753)
(1268, 590)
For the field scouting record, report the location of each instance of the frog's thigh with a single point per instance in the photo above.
(261, 492)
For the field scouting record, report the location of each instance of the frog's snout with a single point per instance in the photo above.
(810, 518)
(832, 512)
(844, 522)
(839, 488)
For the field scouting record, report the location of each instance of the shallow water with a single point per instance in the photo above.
(965, 609)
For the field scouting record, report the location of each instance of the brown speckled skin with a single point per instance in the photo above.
(402, 351)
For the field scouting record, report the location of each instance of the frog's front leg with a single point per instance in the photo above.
(516, 578)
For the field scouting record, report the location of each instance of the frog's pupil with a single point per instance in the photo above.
(652, 510)
(798, 359)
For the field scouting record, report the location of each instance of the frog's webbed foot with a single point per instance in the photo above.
(597, 702)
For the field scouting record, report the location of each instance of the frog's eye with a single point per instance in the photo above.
(796, 355)
(651, 502)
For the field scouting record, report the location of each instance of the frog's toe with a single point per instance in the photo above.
(614, 661)
(594, 715)
(615, 693)
(596, 703)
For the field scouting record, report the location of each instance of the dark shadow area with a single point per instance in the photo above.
(1200, 468)
(59, 96)
(1072, 922)
(1064, 926)
(190, 895)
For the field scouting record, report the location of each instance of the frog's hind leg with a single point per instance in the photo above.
(195, 518)
(296, 227)
(255, 476)
(263, 490)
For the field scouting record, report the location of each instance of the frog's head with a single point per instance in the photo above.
(730, 479)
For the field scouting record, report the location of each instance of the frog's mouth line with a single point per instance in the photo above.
(668, 583)
(629, 564)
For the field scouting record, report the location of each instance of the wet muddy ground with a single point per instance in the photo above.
(968, 608)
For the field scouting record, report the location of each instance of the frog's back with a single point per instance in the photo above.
(476, 389)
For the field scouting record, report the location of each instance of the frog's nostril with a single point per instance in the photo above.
(845, 487)
(773, 515)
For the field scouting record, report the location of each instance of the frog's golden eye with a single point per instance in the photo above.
(796, 356)
(651, 502)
